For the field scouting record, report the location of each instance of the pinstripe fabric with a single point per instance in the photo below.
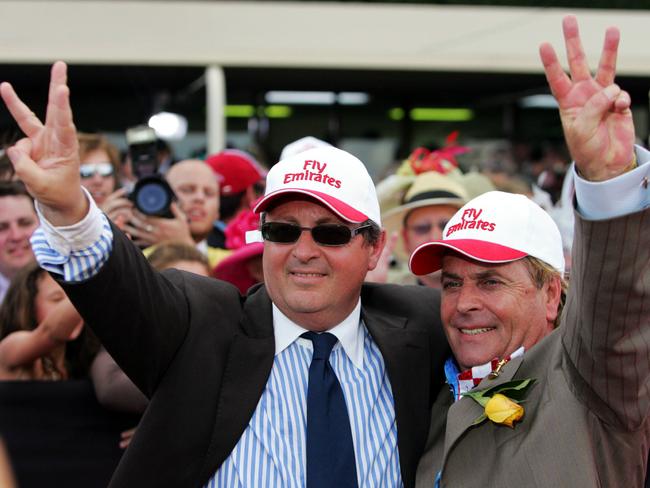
(271, 451)
(619, 372)
(78, 265)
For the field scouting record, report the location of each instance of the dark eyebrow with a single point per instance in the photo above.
(451, 276)
(329, 220)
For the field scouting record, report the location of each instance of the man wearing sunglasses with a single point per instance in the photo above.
(313, 378)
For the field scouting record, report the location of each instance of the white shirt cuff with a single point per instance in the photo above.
(75, 237)
(625, 194)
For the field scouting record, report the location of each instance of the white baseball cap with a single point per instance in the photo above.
(301, 145)
(330, 175)
(495, 227)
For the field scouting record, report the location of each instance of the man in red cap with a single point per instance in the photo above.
(241, 180)
(544, 394)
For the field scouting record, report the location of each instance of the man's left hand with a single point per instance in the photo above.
(595, 113)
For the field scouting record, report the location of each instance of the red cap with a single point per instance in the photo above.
(236, 170)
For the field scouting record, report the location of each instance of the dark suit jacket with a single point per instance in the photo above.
(586, 422)
(203, 354)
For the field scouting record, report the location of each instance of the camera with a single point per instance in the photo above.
(151, 194)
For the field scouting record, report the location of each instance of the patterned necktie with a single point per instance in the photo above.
(330, 452)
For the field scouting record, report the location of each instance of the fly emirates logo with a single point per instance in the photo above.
(313, 171)
(471, 220)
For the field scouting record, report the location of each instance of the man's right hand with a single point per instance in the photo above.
(47, 159)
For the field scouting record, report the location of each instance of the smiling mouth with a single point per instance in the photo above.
(482, 330)
(196, 214)
(307, 275)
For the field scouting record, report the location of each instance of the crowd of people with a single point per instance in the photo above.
(303, 326)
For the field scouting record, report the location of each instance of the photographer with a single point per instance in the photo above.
(197, 207)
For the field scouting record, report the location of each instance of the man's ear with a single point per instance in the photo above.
(553, 296)
(376, 250)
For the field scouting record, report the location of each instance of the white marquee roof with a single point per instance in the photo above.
(323, 35)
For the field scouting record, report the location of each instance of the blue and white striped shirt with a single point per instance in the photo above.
(272, 450)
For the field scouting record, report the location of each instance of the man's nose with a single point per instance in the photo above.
(96, 179)
(305, 248)
(467, 299)
(435, 234)
(17, 233)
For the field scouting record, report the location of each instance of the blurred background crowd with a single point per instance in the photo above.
(181, 183)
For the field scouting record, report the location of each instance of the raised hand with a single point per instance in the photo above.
(595, 112)
(47, 159)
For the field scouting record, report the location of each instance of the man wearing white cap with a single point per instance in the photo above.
(541, 396)
(313, 379)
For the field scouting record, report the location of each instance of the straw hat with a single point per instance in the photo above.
(430, 188)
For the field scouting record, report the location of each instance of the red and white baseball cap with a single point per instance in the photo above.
(237, 170)
(495, 227)
(330, 175)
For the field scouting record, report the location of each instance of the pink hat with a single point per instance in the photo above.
(332, 176)
(495, 227)
(233, 268)
(236, 169)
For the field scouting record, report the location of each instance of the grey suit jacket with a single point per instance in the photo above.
(586, 420)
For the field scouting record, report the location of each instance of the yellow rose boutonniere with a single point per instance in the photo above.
(502, 403)
(501, 410)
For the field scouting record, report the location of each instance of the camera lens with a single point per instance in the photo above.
(152, 198)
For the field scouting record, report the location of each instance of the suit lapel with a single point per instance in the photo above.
(465, 411)
(246, 373)
(406, 356)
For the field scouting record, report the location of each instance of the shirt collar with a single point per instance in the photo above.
(349, 333)
(463, 381)
(202, 247)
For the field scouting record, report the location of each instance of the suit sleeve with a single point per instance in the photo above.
(141, 316)
(606, 323)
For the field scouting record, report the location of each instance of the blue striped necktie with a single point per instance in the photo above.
(330, 452)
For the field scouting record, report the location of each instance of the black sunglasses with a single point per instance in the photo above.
(323, 234)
